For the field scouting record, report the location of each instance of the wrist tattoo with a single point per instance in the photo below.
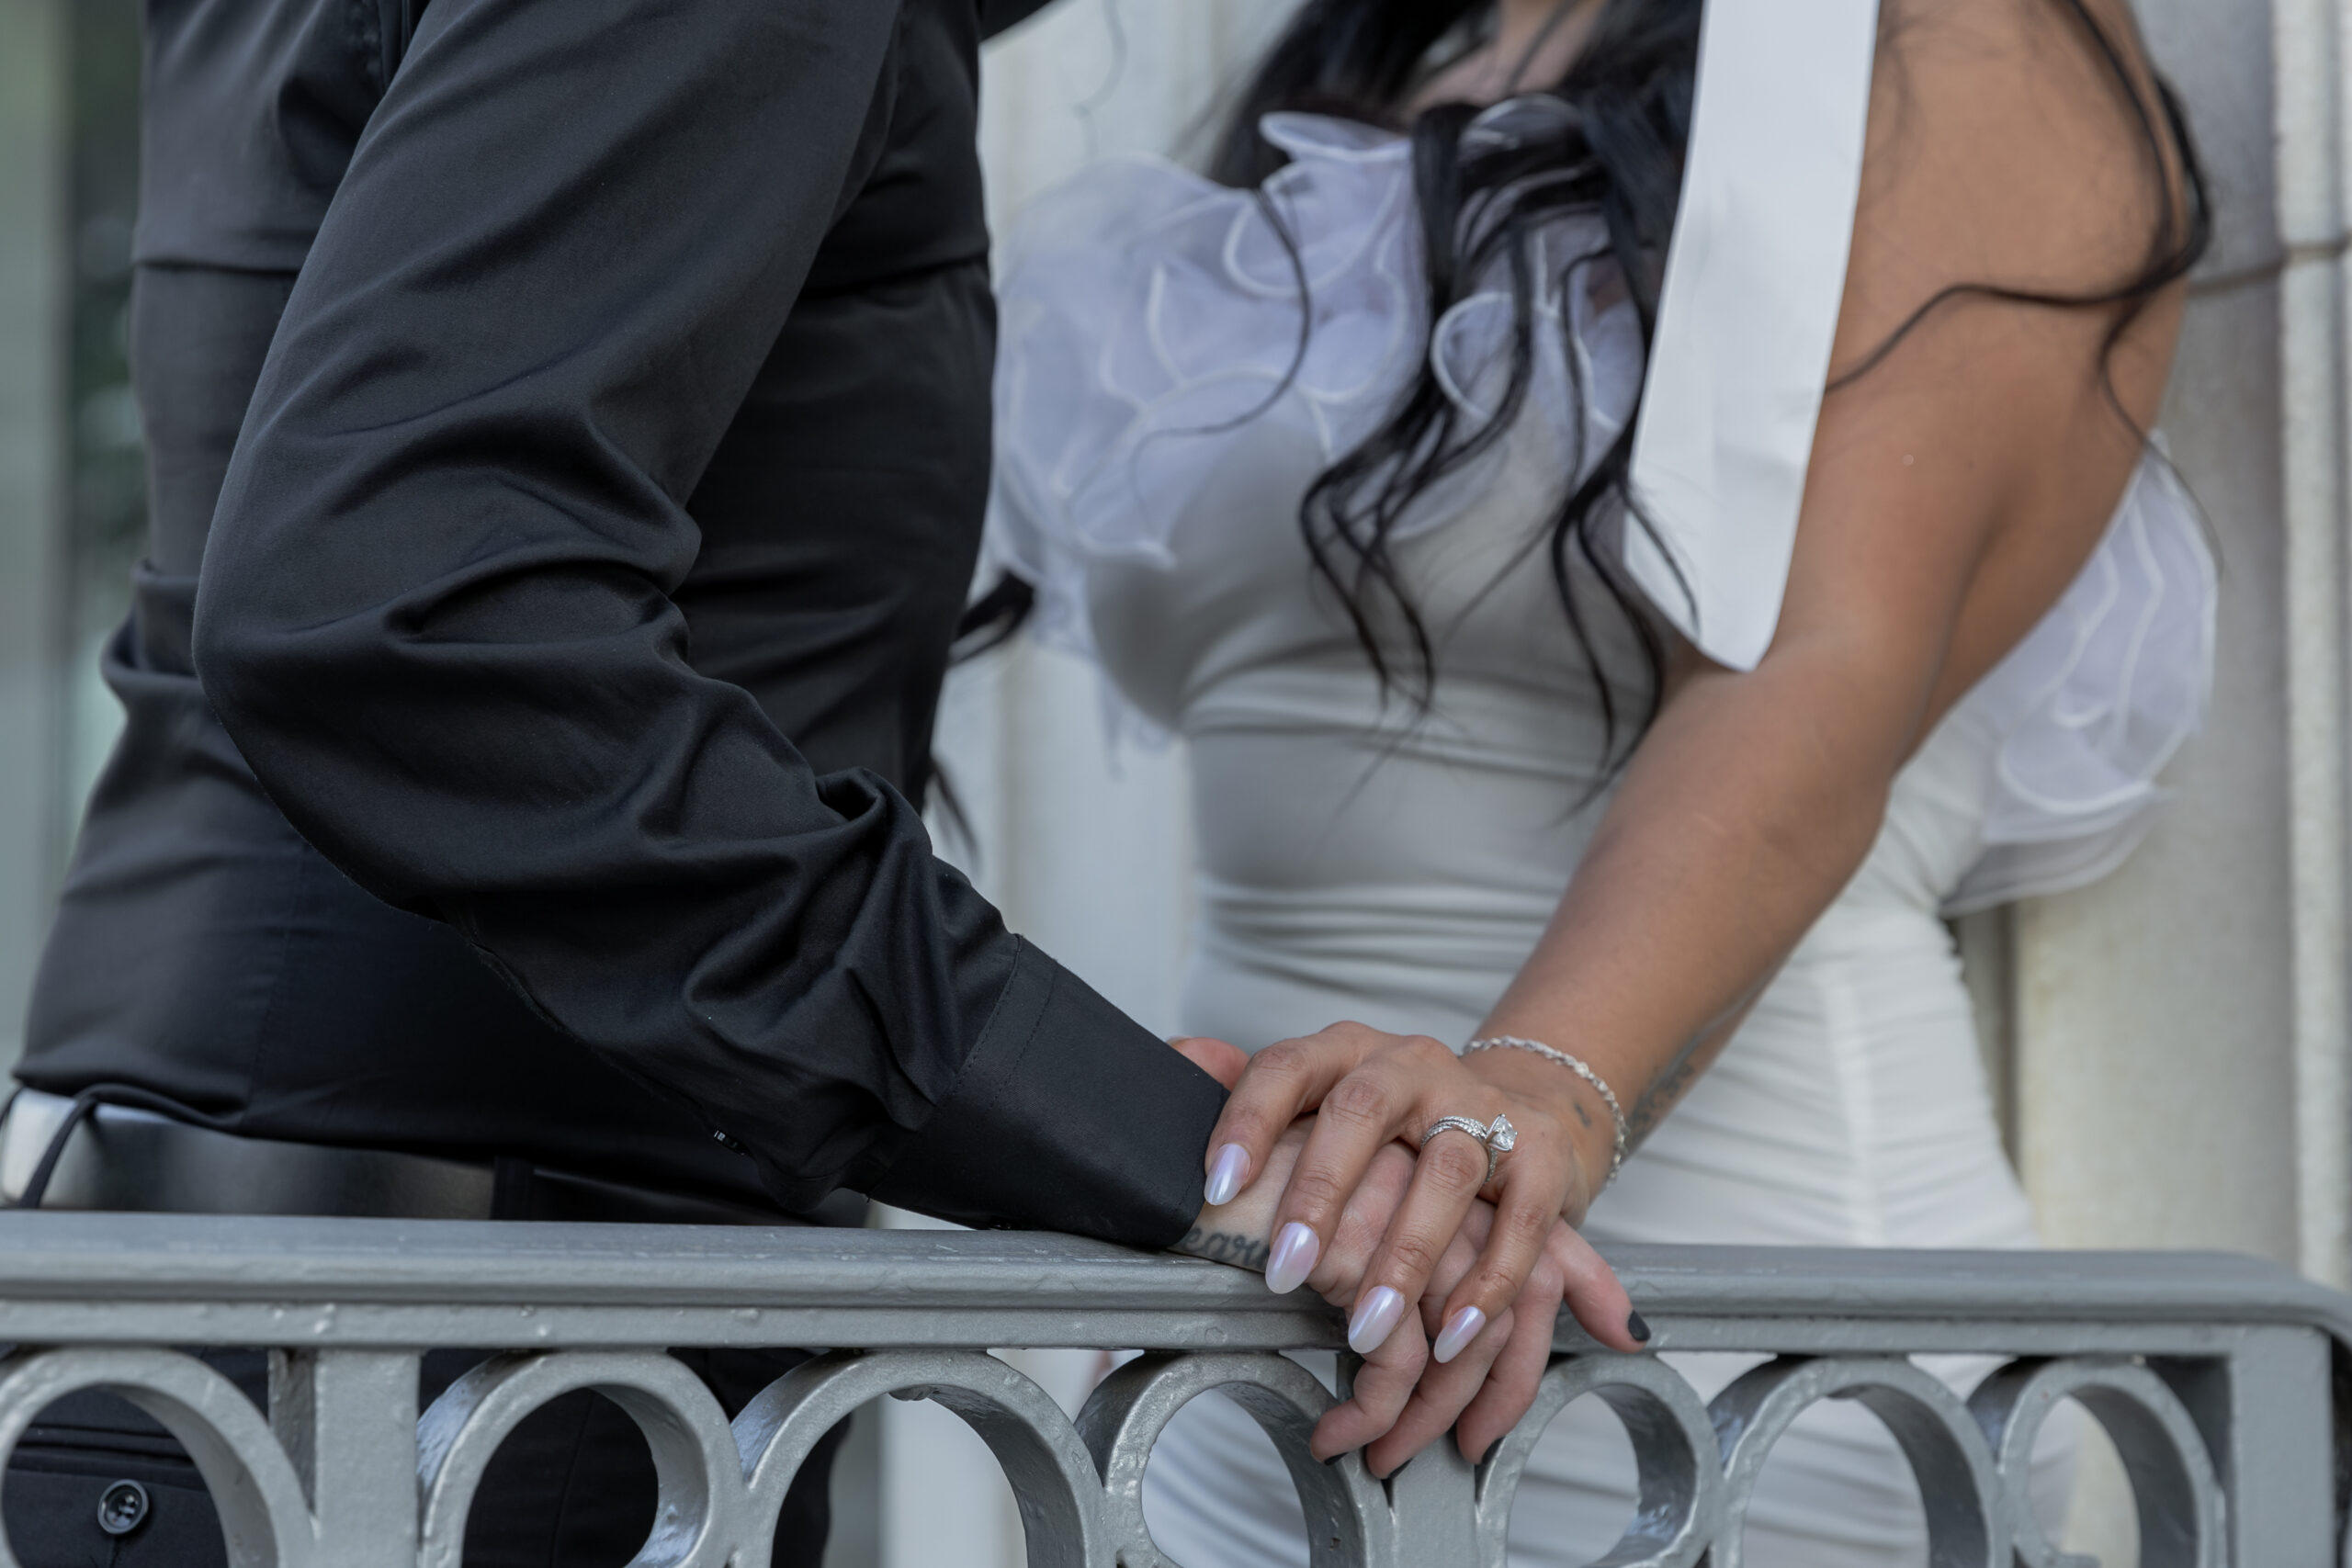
(1652, 1105)
(1225, 1246)
(1674, 1080)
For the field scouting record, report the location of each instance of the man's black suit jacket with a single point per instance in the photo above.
(578, 411)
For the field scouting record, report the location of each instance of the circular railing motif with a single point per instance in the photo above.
(265, 1521)
(1349, 1523)
(1678, 1503)
(1959, 1487)
(700, 1503)
(1080, 1484)
(1053, 1478)
(2178, 1499)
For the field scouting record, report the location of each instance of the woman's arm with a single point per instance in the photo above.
(1957, 487)
(1958, 484)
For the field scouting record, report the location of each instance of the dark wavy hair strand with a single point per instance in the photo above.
(1621, 132)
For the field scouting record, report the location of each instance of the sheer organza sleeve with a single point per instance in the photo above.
(2096, 700)
(1148, 316)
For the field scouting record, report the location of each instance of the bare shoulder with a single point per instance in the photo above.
(1999, 357)
(2015, 144)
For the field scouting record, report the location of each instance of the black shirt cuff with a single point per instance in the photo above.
(1067, 1116)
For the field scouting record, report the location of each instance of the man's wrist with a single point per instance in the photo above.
(1218, 1238)
(1239, 1233)
(1242, 1233)
(1038, 1128)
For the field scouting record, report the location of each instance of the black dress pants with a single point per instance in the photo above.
(572, 1488)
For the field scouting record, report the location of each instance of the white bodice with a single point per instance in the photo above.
(1160, 420)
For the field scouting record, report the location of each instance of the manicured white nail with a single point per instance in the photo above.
(1294, 1252)
(1227, 1173)
(1375, 1315)
(1460, 1329)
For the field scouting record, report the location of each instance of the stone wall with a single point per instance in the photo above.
(2155, 1017)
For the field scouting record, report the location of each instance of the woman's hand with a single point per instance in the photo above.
(1369, 1091)
(1484, 1391)
(1400, 1402)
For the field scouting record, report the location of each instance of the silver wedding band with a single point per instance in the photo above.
(1498, 1138)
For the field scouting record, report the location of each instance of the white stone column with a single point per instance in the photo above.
(2157, 1014)
(2313, 169)
(33, 302)
(2178, 1028)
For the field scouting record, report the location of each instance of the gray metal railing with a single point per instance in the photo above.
(2212, 1375)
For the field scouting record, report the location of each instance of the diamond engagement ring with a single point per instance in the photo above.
(1499, 1139)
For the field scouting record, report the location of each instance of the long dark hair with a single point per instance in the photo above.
(1613, 149)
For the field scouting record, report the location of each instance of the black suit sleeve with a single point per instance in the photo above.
(435, 616)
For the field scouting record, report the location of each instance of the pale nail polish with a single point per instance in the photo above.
(1294, 1252)
(1375, 1315)
(1227, 1173)
(1462, 1328)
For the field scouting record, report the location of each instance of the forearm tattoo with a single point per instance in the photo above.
(1652, 1105)
(1225, 1246)
(1674, 1080)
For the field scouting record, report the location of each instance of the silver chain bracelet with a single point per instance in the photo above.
(1560, 1058)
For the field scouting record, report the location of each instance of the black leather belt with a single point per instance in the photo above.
(117, 1158)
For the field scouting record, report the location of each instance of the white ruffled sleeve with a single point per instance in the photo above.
(1146, 314)
(2096, 700)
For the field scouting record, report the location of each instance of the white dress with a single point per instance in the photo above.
(1155, 444)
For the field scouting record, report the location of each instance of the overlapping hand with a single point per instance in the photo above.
(1367, 1224)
